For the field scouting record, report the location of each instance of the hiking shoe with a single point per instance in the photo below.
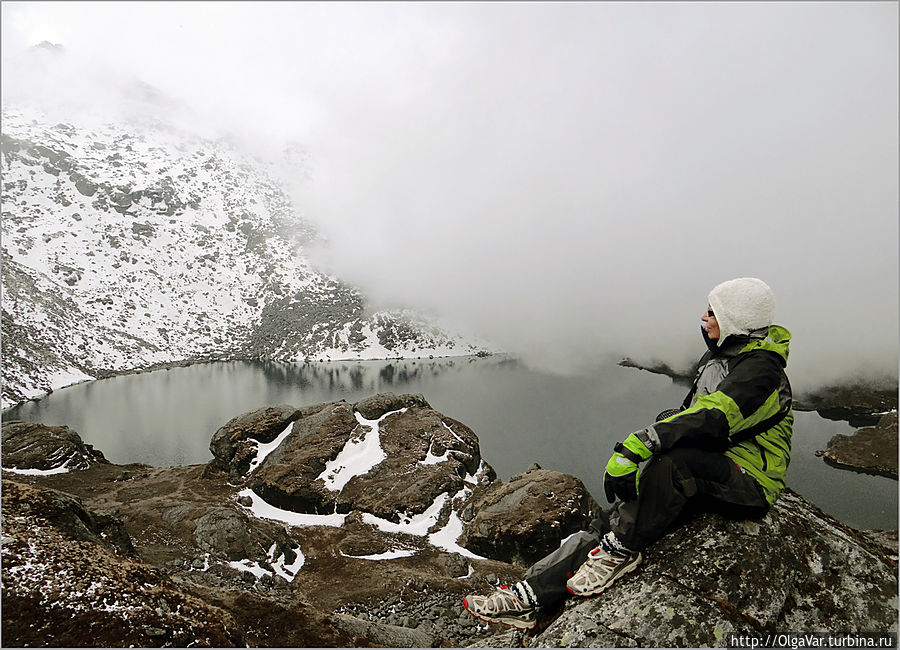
(501, 606)
(600, 571)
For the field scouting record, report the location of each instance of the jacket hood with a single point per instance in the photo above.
(774, 338)
(742, 306)
(777, 339)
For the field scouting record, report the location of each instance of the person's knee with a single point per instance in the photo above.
(691, 462)
(668, 473)
(665, 464)
(680, 456)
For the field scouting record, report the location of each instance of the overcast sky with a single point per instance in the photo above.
(567, 179)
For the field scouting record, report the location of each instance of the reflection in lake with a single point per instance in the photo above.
(521, 416)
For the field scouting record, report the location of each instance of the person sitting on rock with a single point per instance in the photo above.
(730, 442)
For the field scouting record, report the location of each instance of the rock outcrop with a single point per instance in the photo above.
(861, 405)
(871, 450)
(364, 524)
(502, 521)
(684, 377)
(63, 586)
(29, 447)
(339, 457)
(716, 580)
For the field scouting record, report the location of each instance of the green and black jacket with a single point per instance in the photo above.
(740, 403)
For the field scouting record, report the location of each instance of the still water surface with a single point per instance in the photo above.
(521, 416)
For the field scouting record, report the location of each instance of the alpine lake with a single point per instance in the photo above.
(521, 416)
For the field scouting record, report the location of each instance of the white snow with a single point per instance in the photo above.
(144, 287)
(387, 555)
(452, 432)
(473, 480)
(360, 454)
(286, 571)
(62, 469)
(205, 564)
(250, 567)
(266, 448)
(446, 538)
(263, 510)
(63, 378)
(431, 459)
(418, 525)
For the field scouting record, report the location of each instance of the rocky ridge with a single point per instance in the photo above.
(130, 245)
(363, 525)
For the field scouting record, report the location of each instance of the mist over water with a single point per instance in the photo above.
(566, 179)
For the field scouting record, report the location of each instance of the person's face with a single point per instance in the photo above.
(712, 325)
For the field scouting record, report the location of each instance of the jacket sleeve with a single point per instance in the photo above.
(747, 396)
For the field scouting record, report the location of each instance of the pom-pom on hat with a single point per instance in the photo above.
(741, 306)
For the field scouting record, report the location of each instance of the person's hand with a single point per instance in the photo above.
(623, 475)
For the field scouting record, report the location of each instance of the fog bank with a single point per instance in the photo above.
(566, 179)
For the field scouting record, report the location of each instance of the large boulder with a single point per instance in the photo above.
(390, 456)
(224, 531)
(38, 447)
(525, 519)
(714, 581)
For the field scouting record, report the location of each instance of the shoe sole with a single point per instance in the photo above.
(511, 622)
(624, 572)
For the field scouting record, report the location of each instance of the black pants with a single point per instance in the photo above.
(668, 483)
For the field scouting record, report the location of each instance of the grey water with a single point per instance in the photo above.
(521, 416)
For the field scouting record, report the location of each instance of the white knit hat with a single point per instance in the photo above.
(741, 306)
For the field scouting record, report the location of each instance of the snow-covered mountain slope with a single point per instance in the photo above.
(130, 245)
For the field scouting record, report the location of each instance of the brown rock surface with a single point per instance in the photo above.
(286, 478)
(183, 529)
(872, 450)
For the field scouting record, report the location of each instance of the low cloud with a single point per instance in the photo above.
(567, 179)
